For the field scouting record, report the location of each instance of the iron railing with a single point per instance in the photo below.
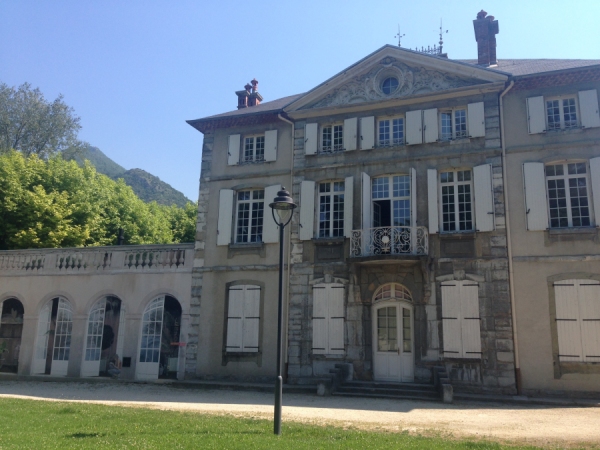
(389, 241)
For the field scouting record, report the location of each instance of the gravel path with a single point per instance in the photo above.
(538, 425)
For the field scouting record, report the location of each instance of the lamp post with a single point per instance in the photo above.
(284, 206)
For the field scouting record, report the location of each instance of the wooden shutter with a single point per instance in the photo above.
(225, 216)
(536, 115)
(430, 125)
(235, 319)
(350, 133)
(310, 138)
(536, 203)
(588, 107)
(432, 200)
(595, 179)
(233, 152)
(413, 197)
(470, 320)
(271, 145)
(476, 118)
(567, 321)
(452, 333)
(367, 133)
(336, 319)
(484, 199)
(414, 129)
(270, 233)
(589, 310)
(307, 210)
(319, 320)
(348, 205)
(251, 319)
(366, 201)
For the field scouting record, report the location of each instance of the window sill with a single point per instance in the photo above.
(554, 235)
(573, 230)
(251, 248)
(457, 234)
(455, 141)
(565, 130)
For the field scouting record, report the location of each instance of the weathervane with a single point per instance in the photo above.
(399, 36)
(441, 35)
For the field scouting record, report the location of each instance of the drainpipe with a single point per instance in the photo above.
(289, 255)
(511, 281)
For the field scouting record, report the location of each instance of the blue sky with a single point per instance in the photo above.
(135, 71)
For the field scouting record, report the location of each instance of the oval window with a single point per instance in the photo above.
(389, 85)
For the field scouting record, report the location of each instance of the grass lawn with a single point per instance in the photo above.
(32, 424)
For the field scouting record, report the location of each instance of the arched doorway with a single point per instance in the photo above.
(159, 344)
(393, 324)
(104, 337)
(53, 343)
(11, 329)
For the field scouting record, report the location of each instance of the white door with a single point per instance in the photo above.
(41, 345)
(62, 339)
(393, 342)
(148, 363)
(90, 367)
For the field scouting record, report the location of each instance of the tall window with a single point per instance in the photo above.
(391, 201)
(457, 206)
(331, 209)
(453, 124)
(568, 198)
(332, 138)
(254, 149)
(249, 219)
(561, 113)
(391, 132)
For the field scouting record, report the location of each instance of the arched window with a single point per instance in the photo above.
(392, 291)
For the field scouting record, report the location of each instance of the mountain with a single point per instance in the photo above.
(148, 187)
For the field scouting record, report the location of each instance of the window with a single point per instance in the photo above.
(456, 205)
(243, 319)
(453, 124)
(389, 85)
(391, 132)
(249, 217)
(332, 138)
(391, 201)
(568, 198)
(331, 209)
(460, 319)
(254, 149)
(328, 319)
(561, 113)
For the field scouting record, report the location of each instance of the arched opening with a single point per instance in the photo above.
(11, 329)
(159, 344)
(104, 339)
(53, 344)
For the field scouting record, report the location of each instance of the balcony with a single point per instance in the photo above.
(384, 241)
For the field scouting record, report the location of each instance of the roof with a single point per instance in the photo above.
(520, 67)
(264, 107)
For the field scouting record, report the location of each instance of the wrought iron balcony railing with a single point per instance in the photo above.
(389, 241)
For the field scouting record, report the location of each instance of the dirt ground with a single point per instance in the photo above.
(536, 425)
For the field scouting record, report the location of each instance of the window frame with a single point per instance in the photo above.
(392, 198)
(455, 184)
(238, 238)
(254, 157)
(331, 194)
(453, 113)
(392, 142)
(333, 148)
(561, 98)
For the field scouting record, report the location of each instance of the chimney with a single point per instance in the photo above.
(486, 29)
(243, 97)
(255, 98)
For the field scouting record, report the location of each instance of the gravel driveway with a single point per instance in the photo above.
(539, 425)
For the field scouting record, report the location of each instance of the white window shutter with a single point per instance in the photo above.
(536, 203)
(271, 145)
(225, 216)
(348, 205)
(568, 323)
(451, 319)
(336, 319)
(476, 118)
(413, 197)
(484, 199)
(350, 133)
(307, 210)
(367, 133)
(251, 318)
(430, 125)
(536, 115)
(366, 201)
(432, 200)
(588, 107)
(320, 319)
(589, 309)
(414, 128)
(470, 324)
(310, 138)
(235, 319)
(595, 178)
(270, 233)
(233, 152)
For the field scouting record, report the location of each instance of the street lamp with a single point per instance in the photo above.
(284, 206)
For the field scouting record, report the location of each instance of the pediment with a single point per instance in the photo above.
(415, 74)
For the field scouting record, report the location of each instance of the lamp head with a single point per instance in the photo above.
(284, 205)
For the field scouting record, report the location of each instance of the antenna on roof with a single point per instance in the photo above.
(441, 36)
(399, 36)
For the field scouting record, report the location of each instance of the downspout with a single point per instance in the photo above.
(511, 281)
(289, 255)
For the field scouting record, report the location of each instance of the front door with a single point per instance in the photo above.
(393, 342)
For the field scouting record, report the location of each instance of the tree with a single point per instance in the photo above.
(34, 126)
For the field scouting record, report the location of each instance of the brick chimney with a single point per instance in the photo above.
(249, 96)
(243, 96)
(486, 29)
(255, 97)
